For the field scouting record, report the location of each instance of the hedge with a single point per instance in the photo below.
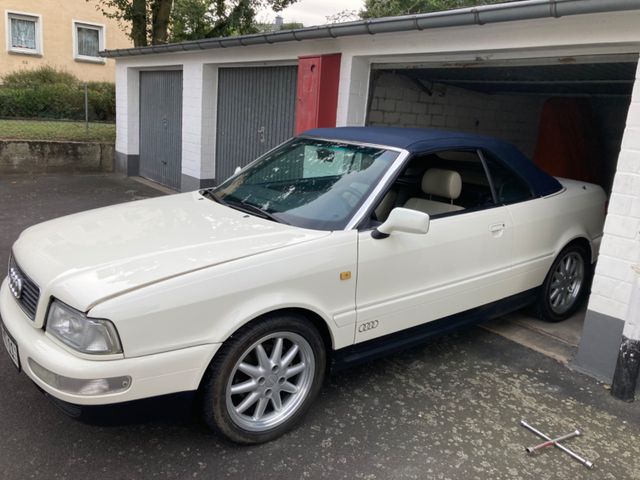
(50, 93)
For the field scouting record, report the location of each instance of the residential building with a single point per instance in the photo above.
(65, 34)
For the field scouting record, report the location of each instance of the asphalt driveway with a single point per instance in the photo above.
(448, 410)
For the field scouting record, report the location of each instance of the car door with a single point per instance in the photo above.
(462, 262)
(410, 279)
(535, 226)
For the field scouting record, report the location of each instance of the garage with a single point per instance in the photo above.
(567, 114)
(256, 112)
(161, 126)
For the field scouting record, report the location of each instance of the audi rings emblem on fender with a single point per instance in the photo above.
(15, 283)
(366, 326)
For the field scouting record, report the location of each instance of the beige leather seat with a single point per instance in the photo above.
(383, 210)
(440, 183)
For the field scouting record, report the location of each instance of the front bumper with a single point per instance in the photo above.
(151, 375)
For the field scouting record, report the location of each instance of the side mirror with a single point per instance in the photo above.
(237, 170)
(403, 220)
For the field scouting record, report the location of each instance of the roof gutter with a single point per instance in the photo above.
(502, 12)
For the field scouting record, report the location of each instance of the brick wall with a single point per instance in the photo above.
(398, 101)
(620, 249)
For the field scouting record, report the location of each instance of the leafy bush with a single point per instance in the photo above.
(102, 100)
(50, 93)
(40, 76)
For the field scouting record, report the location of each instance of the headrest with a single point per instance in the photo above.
(442, 183)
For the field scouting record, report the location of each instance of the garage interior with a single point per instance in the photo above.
(566, 113)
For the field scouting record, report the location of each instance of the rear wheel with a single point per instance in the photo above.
(264, 379)
(566, 284)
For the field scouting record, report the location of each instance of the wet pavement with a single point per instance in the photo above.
(446, 410)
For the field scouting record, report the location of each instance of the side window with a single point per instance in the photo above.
(448, 182)
(475, 192)
(509, 187)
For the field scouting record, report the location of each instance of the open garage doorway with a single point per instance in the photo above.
(568, 114)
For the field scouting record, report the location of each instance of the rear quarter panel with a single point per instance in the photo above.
(544, 226)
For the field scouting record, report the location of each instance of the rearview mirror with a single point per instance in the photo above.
(403, 220)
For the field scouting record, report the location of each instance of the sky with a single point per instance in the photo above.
(314, 12)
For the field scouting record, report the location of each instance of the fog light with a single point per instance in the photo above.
(80, 386)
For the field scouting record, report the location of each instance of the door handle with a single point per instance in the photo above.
(496, 228)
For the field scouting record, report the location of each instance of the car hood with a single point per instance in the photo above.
(88, 257)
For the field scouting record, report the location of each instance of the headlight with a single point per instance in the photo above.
(87, 335)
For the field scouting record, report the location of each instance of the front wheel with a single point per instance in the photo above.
(264, 379)
(566, 285)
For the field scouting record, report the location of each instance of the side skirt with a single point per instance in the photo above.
(395, 342)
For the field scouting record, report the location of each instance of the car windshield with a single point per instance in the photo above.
(309, 183)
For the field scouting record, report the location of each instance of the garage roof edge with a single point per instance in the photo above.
(501, 12)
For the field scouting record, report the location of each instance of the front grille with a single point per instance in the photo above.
(30, 293)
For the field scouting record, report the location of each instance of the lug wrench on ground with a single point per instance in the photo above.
(575, 433)
(577, 457)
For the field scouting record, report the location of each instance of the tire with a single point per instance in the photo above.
(250, 376)
(566, 285)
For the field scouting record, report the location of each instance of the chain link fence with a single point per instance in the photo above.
(58, 111)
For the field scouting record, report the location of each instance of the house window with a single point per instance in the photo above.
(88, 41)
(23, 33)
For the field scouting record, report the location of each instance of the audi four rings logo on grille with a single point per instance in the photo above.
(366, 326)
(15, 282)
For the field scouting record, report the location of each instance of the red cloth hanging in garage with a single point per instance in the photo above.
(568, 140)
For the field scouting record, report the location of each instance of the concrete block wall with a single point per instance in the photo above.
(42, 156)
(398, 101)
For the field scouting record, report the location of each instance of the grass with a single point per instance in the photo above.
(57, 130)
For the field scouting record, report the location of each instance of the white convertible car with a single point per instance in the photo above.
(339, 245)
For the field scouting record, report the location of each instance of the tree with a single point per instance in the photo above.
(154, 22)
(343, 16)
(194, 19)
(148, 19)
(190, 20)
(389, 8)
(291, 26)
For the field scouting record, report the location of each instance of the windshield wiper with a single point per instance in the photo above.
(208, 193)
(242, 206)
(253, 209)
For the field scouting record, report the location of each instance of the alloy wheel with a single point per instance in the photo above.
(566, 282)
(270, 381)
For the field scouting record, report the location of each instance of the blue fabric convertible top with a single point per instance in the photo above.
(419, 140)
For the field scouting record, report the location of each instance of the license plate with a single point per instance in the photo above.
(11, 346)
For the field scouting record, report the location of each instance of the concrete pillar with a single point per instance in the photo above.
(208, 134)
(609, 304)
(353, 91)
(198, 125)
(628, 365)
(127, 120)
